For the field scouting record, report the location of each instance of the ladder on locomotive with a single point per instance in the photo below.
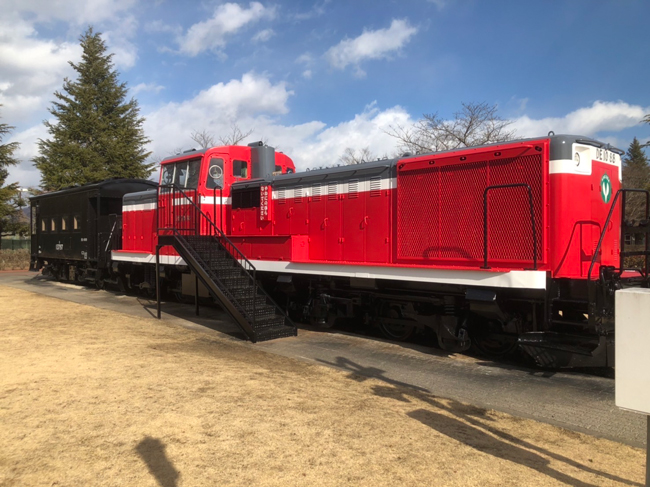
(602, 287)
(228, 275)
(628, 227)
(567, 315)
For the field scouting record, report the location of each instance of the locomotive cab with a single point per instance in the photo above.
(206, 176)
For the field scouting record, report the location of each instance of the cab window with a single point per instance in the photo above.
(167, 174)
(180, 174)
(240, 169)
(215, 174)
(184, 174)
(193, 174)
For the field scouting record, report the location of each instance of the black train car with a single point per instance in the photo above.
(75, 229)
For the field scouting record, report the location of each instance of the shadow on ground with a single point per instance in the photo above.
(152, 452)
(471, 425)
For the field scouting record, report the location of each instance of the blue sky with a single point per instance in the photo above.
(314, 78)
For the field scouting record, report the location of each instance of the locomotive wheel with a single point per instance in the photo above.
(490, 340)
(393, 331)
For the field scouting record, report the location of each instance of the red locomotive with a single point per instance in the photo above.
(508, 246)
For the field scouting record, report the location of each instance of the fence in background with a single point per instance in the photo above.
(15, 244)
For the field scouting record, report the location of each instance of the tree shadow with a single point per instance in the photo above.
(152, 452)
(486, 443)
(472, 426)
(360, 373)
(480, 428)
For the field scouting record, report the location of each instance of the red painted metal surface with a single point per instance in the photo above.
(429, 215)
(578, 213)
(440, 206)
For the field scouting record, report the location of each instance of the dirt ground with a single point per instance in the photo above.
(94, 397)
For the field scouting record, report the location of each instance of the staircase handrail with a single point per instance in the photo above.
(197, 229)
(609, 217)
(251, 273)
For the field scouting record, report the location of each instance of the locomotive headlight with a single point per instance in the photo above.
(576, 159)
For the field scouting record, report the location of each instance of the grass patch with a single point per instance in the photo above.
(95, 397)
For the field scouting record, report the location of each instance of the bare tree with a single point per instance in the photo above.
(235, 136)
(475, 124)
(352, 156)
(204, 138)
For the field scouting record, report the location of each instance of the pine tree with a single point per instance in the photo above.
(636, 171)
(7, 192)
(98, 134)
(636, 175)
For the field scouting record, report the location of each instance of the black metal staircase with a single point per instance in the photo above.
(228, 275)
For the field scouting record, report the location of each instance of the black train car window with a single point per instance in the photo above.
(75, 222)
(43, 224)
(246, 198)
(53, 224)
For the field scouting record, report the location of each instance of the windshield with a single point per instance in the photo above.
(184, 174)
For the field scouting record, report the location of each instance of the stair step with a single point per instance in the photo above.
(269, 322)
(215, 253)
(270, 333)
(243, 293)
(263, 313)
(247, 302)
(227, 273)
(236, 282)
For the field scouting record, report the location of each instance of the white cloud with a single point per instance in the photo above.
(305, 58)
(31, 69)
(254, 102)
(158, 26)
(77, 12)
(367, 129)
(439, 3)
(25, 173)
(144, 87)
(118, 41)
(602, 116)
(247, 101)
(307, 74)
(317, 10)
(263, 35)
(227, 19)
(372, 44)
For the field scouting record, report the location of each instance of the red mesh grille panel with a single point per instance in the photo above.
(440, 212)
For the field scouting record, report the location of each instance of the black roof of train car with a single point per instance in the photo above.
(115, 188)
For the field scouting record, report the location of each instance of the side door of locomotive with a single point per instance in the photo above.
(332, 223)
(354, 222)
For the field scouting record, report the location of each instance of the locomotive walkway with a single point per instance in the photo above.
(571, 400)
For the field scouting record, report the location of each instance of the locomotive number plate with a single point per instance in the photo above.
(605, 156)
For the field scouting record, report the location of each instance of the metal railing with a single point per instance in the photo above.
(624, 192)
(180, 215)
(485, 219)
